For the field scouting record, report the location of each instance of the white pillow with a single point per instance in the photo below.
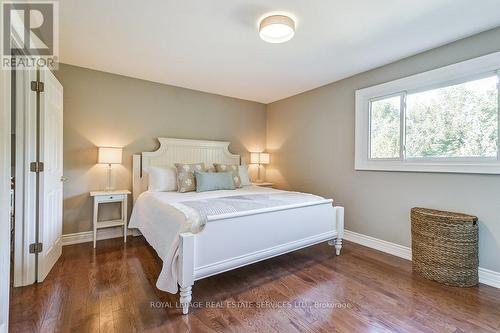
(243, 171)
(162, 179)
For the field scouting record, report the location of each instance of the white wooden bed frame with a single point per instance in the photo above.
(229, 243)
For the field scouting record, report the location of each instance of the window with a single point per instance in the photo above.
(445, 120)
(385, 128)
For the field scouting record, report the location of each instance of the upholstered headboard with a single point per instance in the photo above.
(173, 151)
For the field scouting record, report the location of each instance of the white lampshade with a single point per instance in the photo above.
(110, 155)
(259, 158)
(254, 158)
(264, 158)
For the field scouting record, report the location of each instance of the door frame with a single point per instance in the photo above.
(5, 133)
(25, 232)
(5, 173)
(25, 227)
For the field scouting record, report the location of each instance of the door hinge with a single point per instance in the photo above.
(36, 247)
(37, 86)
(36, 166)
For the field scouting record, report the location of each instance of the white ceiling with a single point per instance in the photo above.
(214, 46)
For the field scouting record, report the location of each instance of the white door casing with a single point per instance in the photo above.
(5, 108)
(51, 186)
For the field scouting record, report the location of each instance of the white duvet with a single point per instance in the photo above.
(158, 217)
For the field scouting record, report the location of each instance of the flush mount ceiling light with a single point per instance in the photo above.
(277, 28)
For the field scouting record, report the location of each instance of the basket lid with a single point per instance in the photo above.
(457, 217)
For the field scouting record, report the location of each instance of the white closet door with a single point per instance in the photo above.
(51, 186)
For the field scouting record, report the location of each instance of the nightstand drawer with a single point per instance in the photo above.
(110, 197)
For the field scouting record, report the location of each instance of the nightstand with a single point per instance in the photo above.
(110, 197)
(264, 184)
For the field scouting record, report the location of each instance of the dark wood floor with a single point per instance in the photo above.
(112, 289)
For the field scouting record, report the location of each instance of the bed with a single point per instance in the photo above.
(228, 240)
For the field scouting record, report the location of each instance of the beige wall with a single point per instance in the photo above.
(102, 109)
(311, 137)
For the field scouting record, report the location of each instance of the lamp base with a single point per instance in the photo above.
(108, 179)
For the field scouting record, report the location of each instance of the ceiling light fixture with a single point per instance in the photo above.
(277, 28)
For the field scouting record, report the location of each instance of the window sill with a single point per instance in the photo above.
(491, 168)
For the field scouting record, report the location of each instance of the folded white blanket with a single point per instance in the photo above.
(163, 216)
(198, 211)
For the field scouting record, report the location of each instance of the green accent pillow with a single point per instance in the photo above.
(211, 181)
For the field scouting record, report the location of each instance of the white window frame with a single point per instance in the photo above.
(445, 76)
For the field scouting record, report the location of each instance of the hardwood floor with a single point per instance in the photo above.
(112, 289)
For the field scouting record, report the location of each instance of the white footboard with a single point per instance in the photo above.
(226, 244)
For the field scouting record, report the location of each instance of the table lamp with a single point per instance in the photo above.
(260, 159)
(109, 155)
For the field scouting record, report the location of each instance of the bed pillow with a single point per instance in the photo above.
(186, 181)
(230, 168)
(162, 179)
(244, 177)
(212, 181)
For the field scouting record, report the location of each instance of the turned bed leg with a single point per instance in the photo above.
(186, 269)
(339, 218)
(337, 242)
(338, 246)
(185, 299)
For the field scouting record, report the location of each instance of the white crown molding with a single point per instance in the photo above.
(486, 276)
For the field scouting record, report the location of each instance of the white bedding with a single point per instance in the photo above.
(156, 216)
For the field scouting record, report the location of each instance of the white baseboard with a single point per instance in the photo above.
(88, 236)
(486, 276)
(378, 244)
(489, 277)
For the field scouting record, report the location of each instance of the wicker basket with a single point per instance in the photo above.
(445, 246)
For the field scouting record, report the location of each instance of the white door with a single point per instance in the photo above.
(51, 186)
(25, 200)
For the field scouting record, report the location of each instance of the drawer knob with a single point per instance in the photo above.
(111, 197)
